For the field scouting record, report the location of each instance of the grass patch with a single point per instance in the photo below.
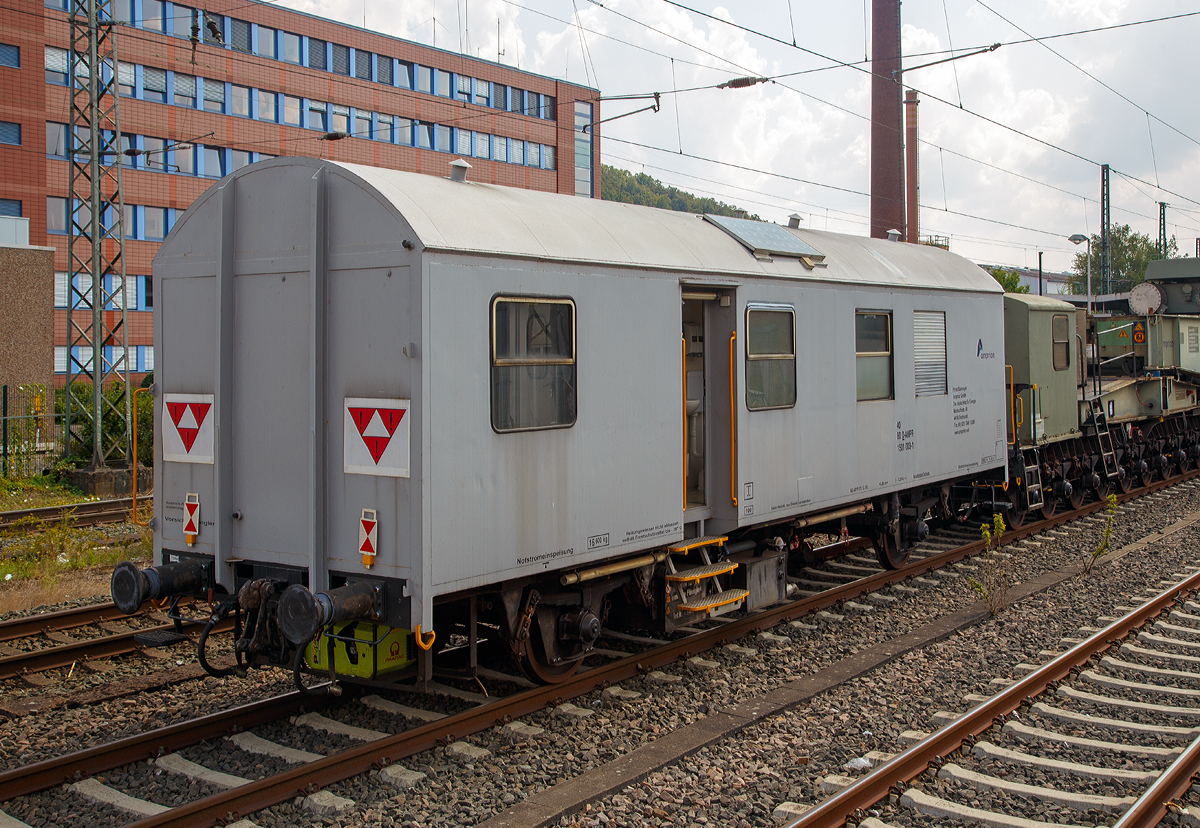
(41, 490)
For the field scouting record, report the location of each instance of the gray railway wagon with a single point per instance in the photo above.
(456, 392)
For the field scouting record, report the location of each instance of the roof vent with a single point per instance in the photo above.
(794, 220)
(458, 170)
(893, 235)
(739, 213)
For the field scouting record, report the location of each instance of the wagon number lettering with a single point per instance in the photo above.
(904, 441)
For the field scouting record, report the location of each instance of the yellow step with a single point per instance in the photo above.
(696, 543)
(699, 572)
(704, 603)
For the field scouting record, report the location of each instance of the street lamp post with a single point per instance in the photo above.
(1077, 238)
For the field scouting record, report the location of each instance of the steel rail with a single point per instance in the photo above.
(62, 620)
(1152, 806)
(228, 806)
(867, 790)
(81, 514)
(64, 655)
(50, 773)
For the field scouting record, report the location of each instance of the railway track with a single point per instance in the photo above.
(383, 749)
(77, 515)
(1162, 662)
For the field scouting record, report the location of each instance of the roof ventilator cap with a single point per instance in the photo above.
(794, 220)
(893, 235)
(458, 170)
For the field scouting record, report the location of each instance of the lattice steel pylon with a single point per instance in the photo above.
(96, 316)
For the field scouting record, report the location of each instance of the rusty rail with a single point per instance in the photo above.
(77, 514)
(867, 790)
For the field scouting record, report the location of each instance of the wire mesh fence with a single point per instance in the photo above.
(31, 434)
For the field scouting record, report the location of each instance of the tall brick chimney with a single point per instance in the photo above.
(887, 123)
(913, 174)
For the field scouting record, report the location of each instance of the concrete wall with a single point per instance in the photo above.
(26, 316)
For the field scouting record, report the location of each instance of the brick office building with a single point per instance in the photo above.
(259, 81)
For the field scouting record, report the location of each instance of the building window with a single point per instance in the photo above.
(10, 55)
(362, 64)
(516, 155)
(214, 162)
(130, 226)
(534, 158)
(185, 90)
(147, 295)
(483, 92)
(56, 214)
(383, 129)
(291, 110)
(929, 352)
(291, 47)
(183, 157)
(341, 60)
(239, 35)
(154, 223)
(10, 133)
(60, 289)
(500, 146)
(404, 128)
(549, 108)
(548, 157)
(214, 95)
(239, 100)
(316, 54)
(266, 106)
(149, 363)
(60, 357)
(462, 142)
(873, 354)
(154, 84)
(238, 159)
(404, 77)
(443, 139)
(383, 70)
(316, 115)
(499, 96)
(266, 42)
(56, 140)
(443, 83)
(122, 11)
(154, 151)
(770, 357)
(424, 132)
(482, 145)
(181, 21)
(463, 85)
(153, 15)
(583, 149)
(1061, 334)
(125, 79)
(339, 119)
(10, 207)
(362, 124)
(533, 363)
(56, 66)
(424, 79)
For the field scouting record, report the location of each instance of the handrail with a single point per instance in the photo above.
(135, 465)
(683, 350)
(1021, 400)
(1012, 405)
(732, 423)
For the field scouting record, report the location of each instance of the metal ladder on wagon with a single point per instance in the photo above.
(714, 600)
(1098, 422)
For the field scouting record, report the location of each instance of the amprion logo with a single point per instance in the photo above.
(979, 352)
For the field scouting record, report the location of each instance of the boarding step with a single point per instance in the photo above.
(696, 543)
(1033, 485)
(698, 573)
(708, 603)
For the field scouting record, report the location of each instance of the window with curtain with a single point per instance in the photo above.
(873, 354)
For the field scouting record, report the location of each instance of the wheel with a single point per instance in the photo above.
(1078, 494)
(1103, 489)
(888, 551)
(545, 658)
(1125, 481)
(1017, 512)
(1049, 506)
(1147, 477)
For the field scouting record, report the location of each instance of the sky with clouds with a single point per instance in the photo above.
(801, 143)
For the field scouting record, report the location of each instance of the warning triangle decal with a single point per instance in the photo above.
(365, 418)
(187, 418)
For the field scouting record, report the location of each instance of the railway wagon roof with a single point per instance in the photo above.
(477, 218)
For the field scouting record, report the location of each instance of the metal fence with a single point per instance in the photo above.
(31, 434)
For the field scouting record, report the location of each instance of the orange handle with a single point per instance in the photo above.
(421, 643)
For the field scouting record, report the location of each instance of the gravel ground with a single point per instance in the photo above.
(737, 781)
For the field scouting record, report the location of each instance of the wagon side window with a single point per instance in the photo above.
(533, 363)
(1061, 334)
(929, 352)
(770, 357)
(873, 354)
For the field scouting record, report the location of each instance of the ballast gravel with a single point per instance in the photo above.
(735, 781)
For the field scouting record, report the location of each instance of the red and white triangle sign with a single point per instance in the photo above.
(376, 437)
(187, 428)
(191, 515)
(368, 532)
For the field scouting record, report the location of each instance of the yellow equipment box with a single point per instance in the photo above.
(361, 649)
